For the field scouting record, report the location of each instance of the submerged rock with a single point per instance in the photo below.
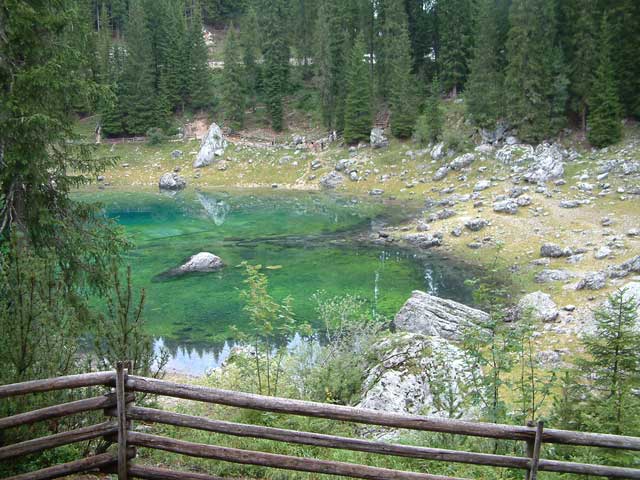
(430, 315)
(212, 146)
(202, 262)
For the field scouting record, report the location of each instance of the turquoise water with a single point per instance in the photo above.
(312, 242)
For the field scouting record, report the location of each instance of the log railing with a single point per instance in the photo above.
(119, 406)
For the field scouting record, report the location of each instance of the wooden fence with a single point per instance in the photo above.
(120, 409)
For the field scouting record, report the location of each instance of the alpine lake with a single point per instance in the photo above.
(306, 242)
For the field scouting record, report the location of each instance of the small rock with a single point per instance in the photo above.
(482, 185)
(172, 181)
(546, 276)
(376, 192)
(176, 154)
(331, 180)
(551, 250)
(593, 281)
(570, 203)
(539, 305)
(476, 224)
(506, 206)
(602, 252)
(441, 173)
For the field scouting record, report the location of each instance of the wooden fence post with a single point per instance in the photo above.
(121, 380)
(533, 451)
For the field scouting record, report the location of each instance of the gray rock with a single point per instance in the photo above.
(593, 281)
(547, 275)
(456, 232)
(202, 262)
(401, 379)
(377, 138)
(570, 203)
(547, 164)
(551, 250)
(376, 192)
(495, 135)
(438, 152)
(506, 206)
(344, 165)
(476, 224)
(441, 173)
(524, 201)
(634, 232)
(213, 145)
(353, 176)
(331, 180)
(285, 160)
(474, 245)
(482, 185)
(511, 140)
(514, 154)
(463, 161)
(176, 154)
(172, 181)
(430, 315)
(602, 252)
(539, 305)
(424, 240)
(516, 191)
(316, 165)
(632, 265)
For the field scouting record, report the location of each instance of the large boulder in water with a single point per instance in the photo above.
(212, 146)
(172, 181)
(202, 262)
(430, 315)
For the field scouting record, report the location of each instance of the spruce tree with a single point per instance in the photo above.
(138, 90)
(197, 73)
(233, 77)
(430, 125)
(580, 25)
(534, 83)
(329, 61)
(392, 20)
(275, 50)
(605, 112)
(613, 367)
(103, 45)
(357, 113)
(250, 44)
(455, 29)
(402, 94)
(624, 19)
(484, 90)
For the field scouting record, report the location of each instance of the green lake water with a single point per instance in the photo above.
(314, 241)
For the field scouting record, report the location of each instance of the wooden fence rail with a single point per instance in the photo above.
(119, 406)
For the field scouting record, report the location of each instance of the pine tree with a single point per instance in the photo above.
(103, 45)
(430, 124)
(275, 50)
(357, 114)
(455, 29)
(402, 94)
(605, 113)
(110, 106)
(197, 73)
(329, 61)
(624, 19)
(392, 21)
(534, 83)
(249, 42)
(614, 366)
(233, 77)
(484, 90)
(579, 23)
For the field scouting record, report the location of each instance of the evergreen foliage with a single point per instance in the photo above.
(138, 89)
(534, 83)
(613, 367)
(250, 44)
(605, 113)
(392, 24)
(198, 79)
(357, 115)
(484, 91)
(233, 88)
(455, 30)
(430, 124)
(275, 51)
(402, 91)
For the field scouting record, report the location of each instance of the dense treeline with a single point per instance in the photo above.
(537, 65)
